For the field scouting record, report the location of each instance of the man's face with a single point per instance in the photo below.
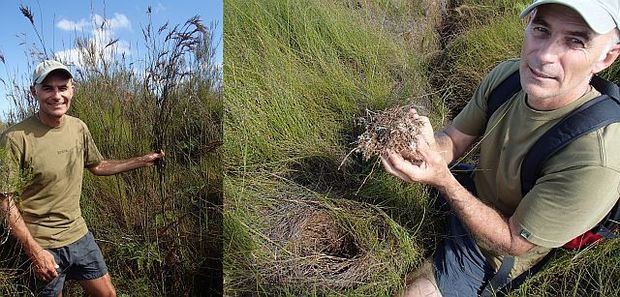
(54, 95)
(560, 54)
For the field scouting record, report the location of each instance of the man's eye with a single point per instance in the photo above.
(540, 29)
(575, 42)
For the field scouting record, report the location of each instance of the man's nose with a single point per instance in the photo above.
(57, 94)
(548, 51)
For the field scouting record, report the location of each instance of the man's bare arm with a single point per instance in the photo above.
(43, 261)
(110, 167)
(452, 143)
(488, 226)
(493, 230)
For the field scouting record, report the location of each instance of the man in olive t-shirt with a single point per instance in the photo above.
(566, 43)
(52, 148)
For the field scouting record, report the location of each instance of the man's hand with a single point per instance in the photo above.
(110, 167)
(426, 164)
(43, 261)
(426, 129)
(44, 265)
(152, 158)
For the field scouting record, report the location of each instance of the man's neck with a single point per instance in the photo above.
(50, 121)
(558, 102)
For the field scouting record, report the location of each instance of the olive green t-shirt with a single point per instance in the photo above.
(55, 159)
(579, 184)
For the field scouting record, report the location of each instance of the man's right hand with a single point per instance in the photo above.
(44, 265)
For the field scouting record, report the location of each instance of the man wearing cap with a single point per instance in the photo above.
(53, 148)
(566, 43)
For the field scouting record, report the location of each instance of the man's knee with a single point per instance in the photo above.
(422, 282)
(422, 287)
(100, 287)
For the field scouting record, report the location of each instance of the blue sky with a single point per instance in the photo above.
(59, 22)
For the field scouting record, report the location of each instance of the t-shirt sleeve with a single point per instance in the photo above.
(472, 120)
(92, 156)
(565, 204)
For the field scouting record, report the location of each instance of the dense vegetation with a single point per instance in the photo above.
(299, 74)
(158, 227)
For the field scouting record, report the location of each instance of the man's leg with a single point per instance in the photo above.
(421, 283)
(99, 287)
(89, 268)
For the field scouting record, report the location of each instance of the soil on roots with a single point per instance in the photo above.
(392, 130)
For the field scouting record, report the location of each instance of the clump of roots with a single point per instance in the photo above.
(392, 130)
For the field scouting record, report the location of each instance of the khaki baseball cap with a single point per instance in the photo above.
(46, 67)
(601, 15)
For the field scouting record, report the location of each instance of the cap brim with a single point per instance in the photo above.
(597, 18)
(42, 77)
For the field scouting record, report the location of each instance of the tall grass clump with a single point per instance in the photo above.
(594, 272)
(472, 54)
(158, 227)
(476, 35)
(299, 75)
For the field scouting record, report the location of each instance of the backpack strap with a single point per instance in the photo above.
(606, 87)
(503, 92)
(594, 114)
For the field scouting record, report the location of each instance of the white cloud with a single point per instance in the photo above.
(119, 21)
(101, 41)
(71, 56)
(68, 25)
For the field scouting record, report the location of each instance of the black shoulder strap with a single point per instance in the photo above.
(596, 113)
(606, 87)
(503, 92)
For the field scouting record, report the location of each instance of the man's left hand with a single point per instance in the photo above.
(425, 165)
(151, 158)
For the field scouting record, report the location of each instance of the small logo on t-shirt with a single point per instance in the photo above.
(70, 150)
(525, 234)
(64, 151)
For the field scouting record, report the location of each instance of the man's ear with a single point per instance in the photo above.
(608, 58)
(33, 91)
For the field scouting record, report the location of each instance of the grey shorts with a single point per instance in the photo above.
(460, 267)
(81, 260)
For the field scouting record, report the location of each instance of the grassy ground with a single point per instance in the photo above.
(299, 74)
(158, 227)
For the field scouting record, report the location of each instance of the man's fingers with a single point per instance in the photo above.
(45, 266)
(422, 144)
(389, 166)
(426, 128)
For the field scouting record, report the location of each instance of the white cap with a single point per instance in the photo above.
(601, 15)
(46, 67)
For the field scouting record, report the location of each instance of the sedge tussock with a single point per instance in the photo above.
(331, 245)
